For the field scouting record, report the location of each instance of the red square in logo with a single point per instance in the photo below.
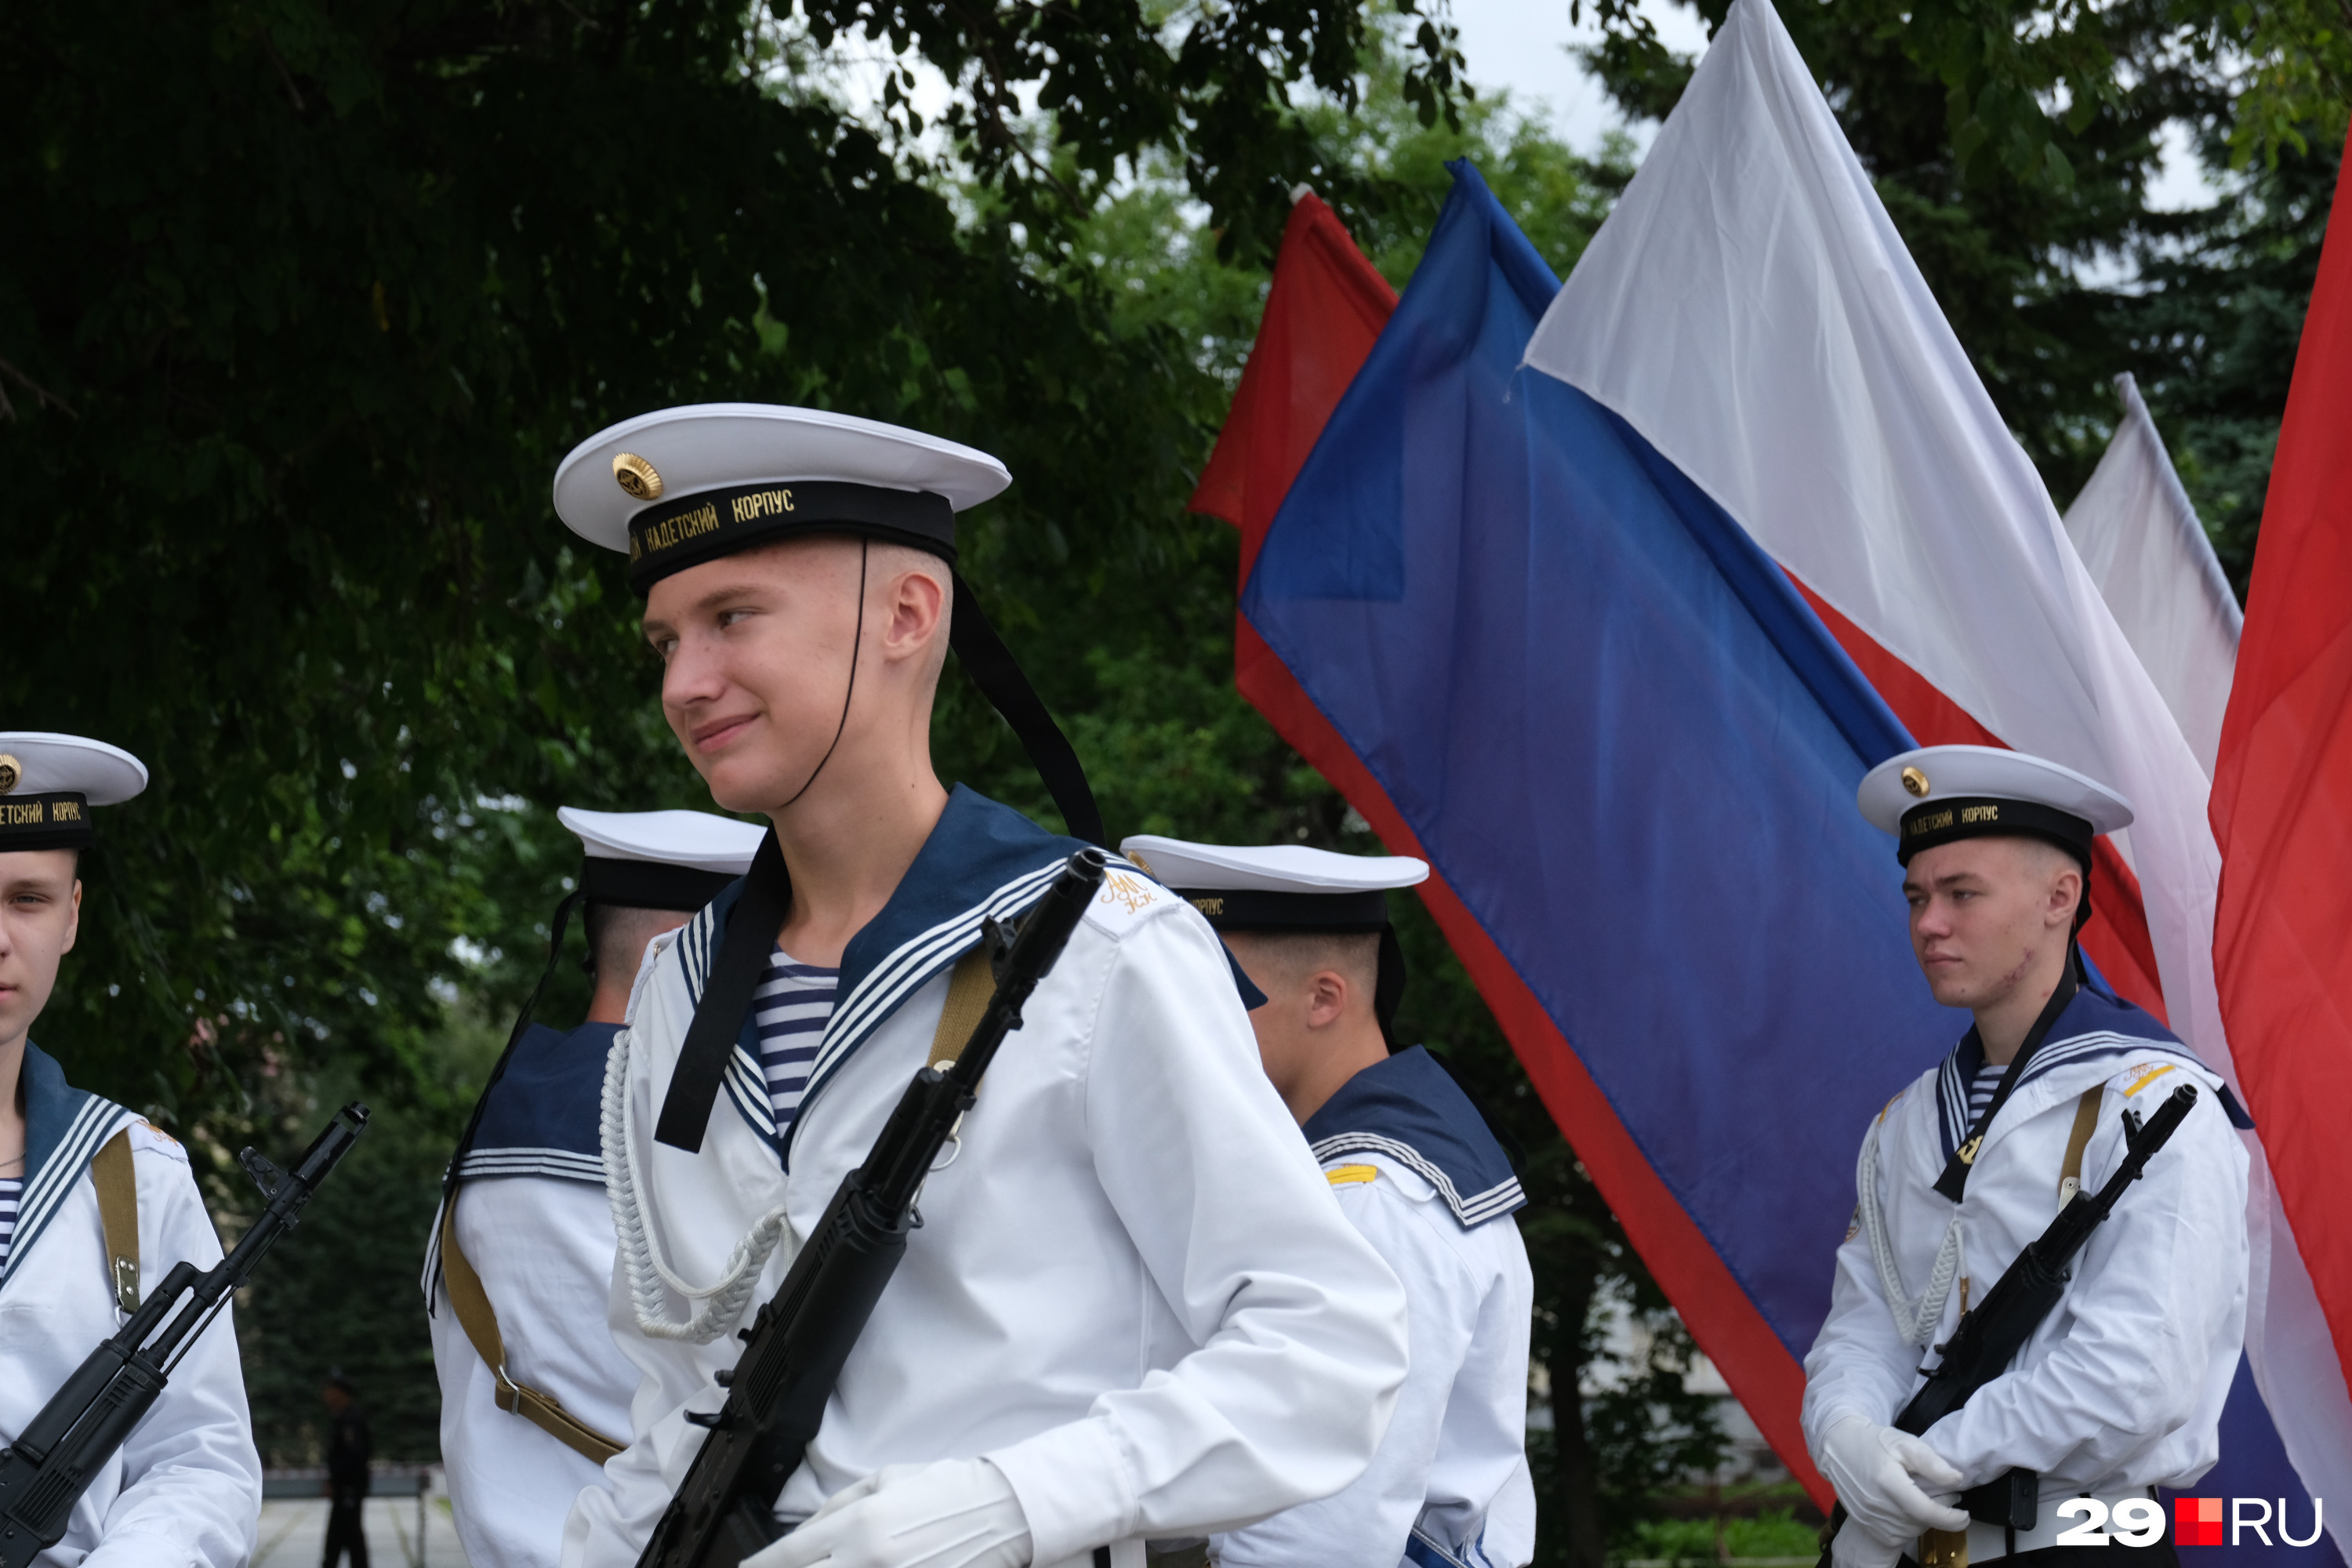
(2197, 1521)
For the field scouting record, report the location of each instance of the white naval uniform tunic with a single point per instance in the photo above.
(533, 1222)
(1418, 1173)
(186, 1489)
(2122, 1386)
(1132, 1290)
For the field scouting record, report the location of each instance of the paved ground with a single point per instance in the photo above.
(294, 1531)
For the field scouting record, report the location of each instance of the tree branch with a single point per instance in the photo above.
(46, 398)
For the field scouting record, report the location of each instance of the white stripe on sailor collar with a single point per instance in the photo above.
(1471, 1211)
(891, 983)
(2073, 1050)
(47, 1189)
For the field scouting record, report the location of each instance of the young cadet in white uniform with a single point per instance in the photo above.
(1419, 1173)
(186, 1489)
(1133, 1310)
(534, 1393)
(2121, 1388)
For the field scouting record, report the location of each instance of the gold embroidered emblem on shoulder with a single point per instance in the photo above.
(1352, 1175)
(1119, 887)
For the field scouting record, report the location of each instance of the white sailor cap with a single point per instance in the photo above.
(681, 486)
(48, 782)
(1277, 887)
(1938, 794)
(660, 859)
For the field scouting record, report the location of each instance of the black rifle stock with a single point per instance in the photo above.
(1989, 1335)
(43, 1473)
(797, 1346)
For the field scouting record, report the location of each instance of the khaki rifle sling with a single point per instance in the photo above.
(968, 990)
(2086, 1121)
(118, 1217)
(480, 1321)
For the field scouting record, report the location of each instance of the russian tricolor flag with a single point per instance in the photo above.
(1601, 599)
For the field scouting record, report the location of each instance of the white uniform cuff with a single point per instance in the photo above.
(1072, 1488)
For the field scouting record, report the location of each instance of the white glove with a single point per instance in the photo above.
(953, 1513)
(1871, 1468)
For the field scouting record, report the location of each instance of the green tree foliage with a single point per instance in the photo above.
(303, 305)
(2211, 338)
(341, 1294)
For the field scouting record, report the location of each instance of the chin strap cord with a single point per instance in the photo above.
(857, 643)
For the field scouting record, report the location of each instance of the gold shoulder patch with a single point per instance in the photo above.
(159, 1133)
(1352, 1175)
(1119, 887)
(2149, 1077)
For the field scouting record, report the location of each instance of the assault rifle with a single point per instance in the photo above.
(1989, 1338)
(43, 1473)
(797, 1346)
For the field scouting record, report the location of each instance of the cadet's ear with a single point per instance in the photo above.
(2066, 894)
(73, 917)
(914, 599)
(1327, 998)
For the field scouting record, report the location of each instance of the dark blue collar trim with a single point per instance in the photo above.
(1409, 1110)
(551, 1096)
(2096, 1023)
(982, 860)
(64, 1126)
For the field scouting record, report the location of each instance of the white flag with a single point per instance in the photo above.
(2137, 533)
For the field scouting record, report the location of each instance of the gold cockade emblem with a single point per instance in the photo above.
(637, 477)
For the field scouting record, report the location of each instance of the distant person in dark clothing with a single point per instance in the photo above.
(349, 1448)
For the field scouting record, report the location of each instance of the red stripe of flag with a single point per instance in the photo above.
(2282, 801)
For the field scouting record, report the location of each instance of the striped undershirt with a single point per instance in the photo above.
(1980, 1092)
(790, 1006)
(12, 1191)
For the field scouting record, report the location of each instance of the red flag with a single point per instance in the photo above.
(2282, 802)
(1323, 314)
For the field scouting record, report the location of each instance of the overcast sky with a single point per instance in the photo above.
(1522, 46)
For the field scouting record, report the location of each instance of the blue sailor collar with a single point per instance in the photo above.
(982, 861)
(543, 1116)
(2097, 1023)
(63, 1128)
(1409, 1110)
